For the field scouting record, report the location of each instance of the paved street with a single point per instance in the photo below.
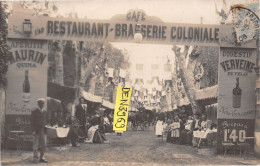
(135, 147)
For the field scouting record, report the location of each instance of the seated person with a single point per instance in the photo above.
(167, 128)
(213, 126)
(60, 121)
(73, 134)
(183, 131)
(188, 123)
(54, 119)
(96, 131)
(205, 123)
(188, 128)
(107, 125)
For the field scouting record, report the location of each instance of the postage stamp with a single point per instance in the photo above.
(246, 20)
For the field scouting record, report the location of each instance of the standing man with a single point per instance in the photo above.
(38, 122)
(80, 114)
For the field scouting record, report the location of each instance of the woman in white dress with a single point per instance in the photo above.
(159, 128)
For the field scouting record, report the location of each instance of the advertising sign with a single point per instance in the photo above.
(115, 30)
(236, 98)
(27, 75)
(237, 79)
(235, 130)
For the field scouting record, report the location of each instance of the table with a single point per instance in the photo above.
(209, 135)
(57, 135)
(57, 132)
(18, 134)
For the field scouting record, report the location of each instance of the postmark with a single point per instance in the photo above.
(246, 21)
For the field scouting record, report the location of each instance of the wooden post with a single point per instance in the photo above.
(257, 118)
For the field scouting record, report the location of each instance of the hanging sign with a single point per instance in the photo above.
(114, 30)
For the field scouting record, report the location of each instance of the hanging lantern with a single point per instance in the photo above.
(27, 26)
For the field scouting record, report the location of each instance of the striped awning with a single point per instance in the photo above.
(207, 93)
(90, 97)
(212, 105)
(107, 104)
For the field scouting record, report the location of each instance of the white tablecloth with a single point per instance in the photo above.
(59, 132)
(209, 134)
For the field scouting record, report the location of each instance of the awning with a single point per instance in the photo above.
(90, 97)
(107, 104)
(53, 105)
(49, 99)
(60, 92)
(215, 105)
(207, 93)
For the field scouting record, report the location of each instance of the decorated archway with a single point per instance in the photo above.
(28, 36)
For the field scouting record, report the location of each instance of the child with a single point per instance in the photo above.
(176, 129)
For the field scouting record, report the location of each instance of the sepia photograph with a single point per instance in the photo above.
(129, 82)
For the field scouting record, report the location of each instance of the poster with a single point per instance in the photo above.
(237, 79)
(27, 75)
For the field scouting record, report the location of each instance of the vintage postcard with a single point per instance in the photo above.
(129, 82)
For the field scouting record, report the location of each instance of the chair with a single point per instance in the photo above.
(226, 145)
(245, 145)
(15, 133)
(27, 135)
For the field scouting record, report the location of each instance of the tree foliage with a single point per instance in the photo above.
(4, 50)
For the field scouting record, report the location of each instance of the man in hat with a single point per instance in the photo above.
(80, 113)
(38, 121)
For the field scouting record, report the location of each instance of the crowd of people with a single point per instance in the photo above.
(88, 127)
(180, 127)
(84, 126)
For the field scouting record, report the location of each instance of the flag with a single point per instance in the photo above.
(122, 73)
(167, 72)
(139, 66)
(155, 70)
(110, 72)
(167, 67)
(154, 66)
(139, 69)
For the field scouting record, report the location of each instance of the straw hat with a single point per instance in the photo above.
(41, 100)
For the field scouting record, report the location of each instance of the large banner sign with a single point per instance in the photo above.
(120, 29)
(27, 75)
(237, 79)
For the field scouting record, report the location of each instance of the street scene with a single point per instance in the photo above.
(130, 82)
(125, 150)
